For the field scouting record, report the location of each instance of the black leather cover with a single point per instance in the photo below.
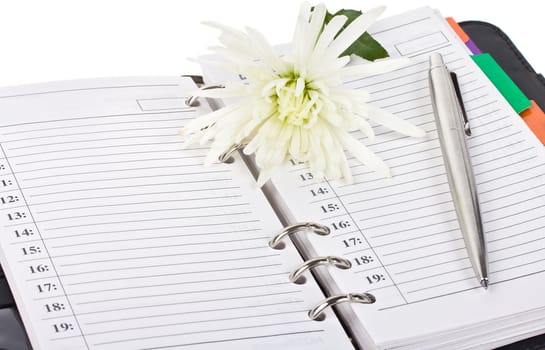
(492, 40)
(6, 300)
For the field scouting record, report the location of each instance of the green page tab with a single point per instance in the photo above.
(503, 83)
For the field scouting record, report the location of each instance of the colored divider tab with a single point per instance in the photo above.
(472, 47)
(535, 119)
(503, 83)
(463, 36)
(458, 29)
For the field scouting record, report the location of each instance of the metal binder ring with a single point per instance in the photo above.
(192, 100)
(302, 226)
(336, 261)
(362, 298)
(225, 157)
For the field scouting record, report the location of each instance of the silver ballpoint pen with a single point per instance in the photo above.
(452, 127)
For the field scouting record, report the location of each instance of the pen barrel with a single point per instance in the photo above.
(450, 128)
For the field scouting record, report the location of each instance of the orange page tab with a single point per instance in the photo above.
(535, 119)
(459, 31)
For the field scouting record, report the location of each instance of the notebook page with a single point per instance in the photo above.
(401, 233)
(113, 237)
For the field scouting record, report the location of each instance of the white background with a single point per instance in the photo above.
(58, 40)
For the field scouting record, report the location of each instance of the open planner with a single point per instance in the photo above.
(115, 237)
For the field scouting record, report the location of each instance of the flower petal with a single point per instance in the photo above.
(366, 129)
(206, 120)
(374, 68)
(327, 36)
(362, 153)
(300, 30)
(393, 122)
(308, 33)
(265, 50)
(353, 31)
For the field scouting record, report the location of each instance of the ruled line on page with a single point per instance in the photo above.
(393, 185)
(287, 312)
(154, 256)
(298, 301)
(511, 204)
(182, 274)
(517, 266)
(155, 275)
(86, 89)
(139, 239)
(82, 125)
(178, 150)
(193, 262)
(516, 234)
(135, 177)
(89, 117)
(405, 211)
(103, 251)
(465, 258)
(119, 195)
(397, 194)
(415, 238)
(177, 127)
(514, 183)
(155, 228)
(108, 163)
(150, 220)
(200, 332)
(94, 140)
(405, 24)
(445, 272)
(181, 303)
(422, 246)
(402, 165)
(505, 155)
(158, 238)
(186, 302)
(140, 202)
(233, 339)
(222, 180)
(160, 143)
(441, 284)
(491, 122)
(162, 210)
(158, 228)
(201, 291)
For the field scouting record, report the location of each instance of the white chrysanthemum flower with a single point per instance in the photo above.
(296, 106)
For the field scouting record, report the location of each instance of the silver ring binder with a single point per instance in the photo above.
(336, 261)
(225, 157)
(362, 298)
(302, 226)
(192, 101)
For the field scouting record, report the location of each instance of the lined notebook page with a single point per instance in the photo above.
(402, 233)
(115, 238)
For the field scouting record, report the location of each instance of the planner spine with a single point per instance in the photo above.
(297, 275)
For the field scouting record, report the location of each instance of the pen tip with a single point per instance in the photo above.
(484, 283)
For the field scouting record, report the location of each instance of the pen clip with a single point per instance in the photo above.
(465, 121)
